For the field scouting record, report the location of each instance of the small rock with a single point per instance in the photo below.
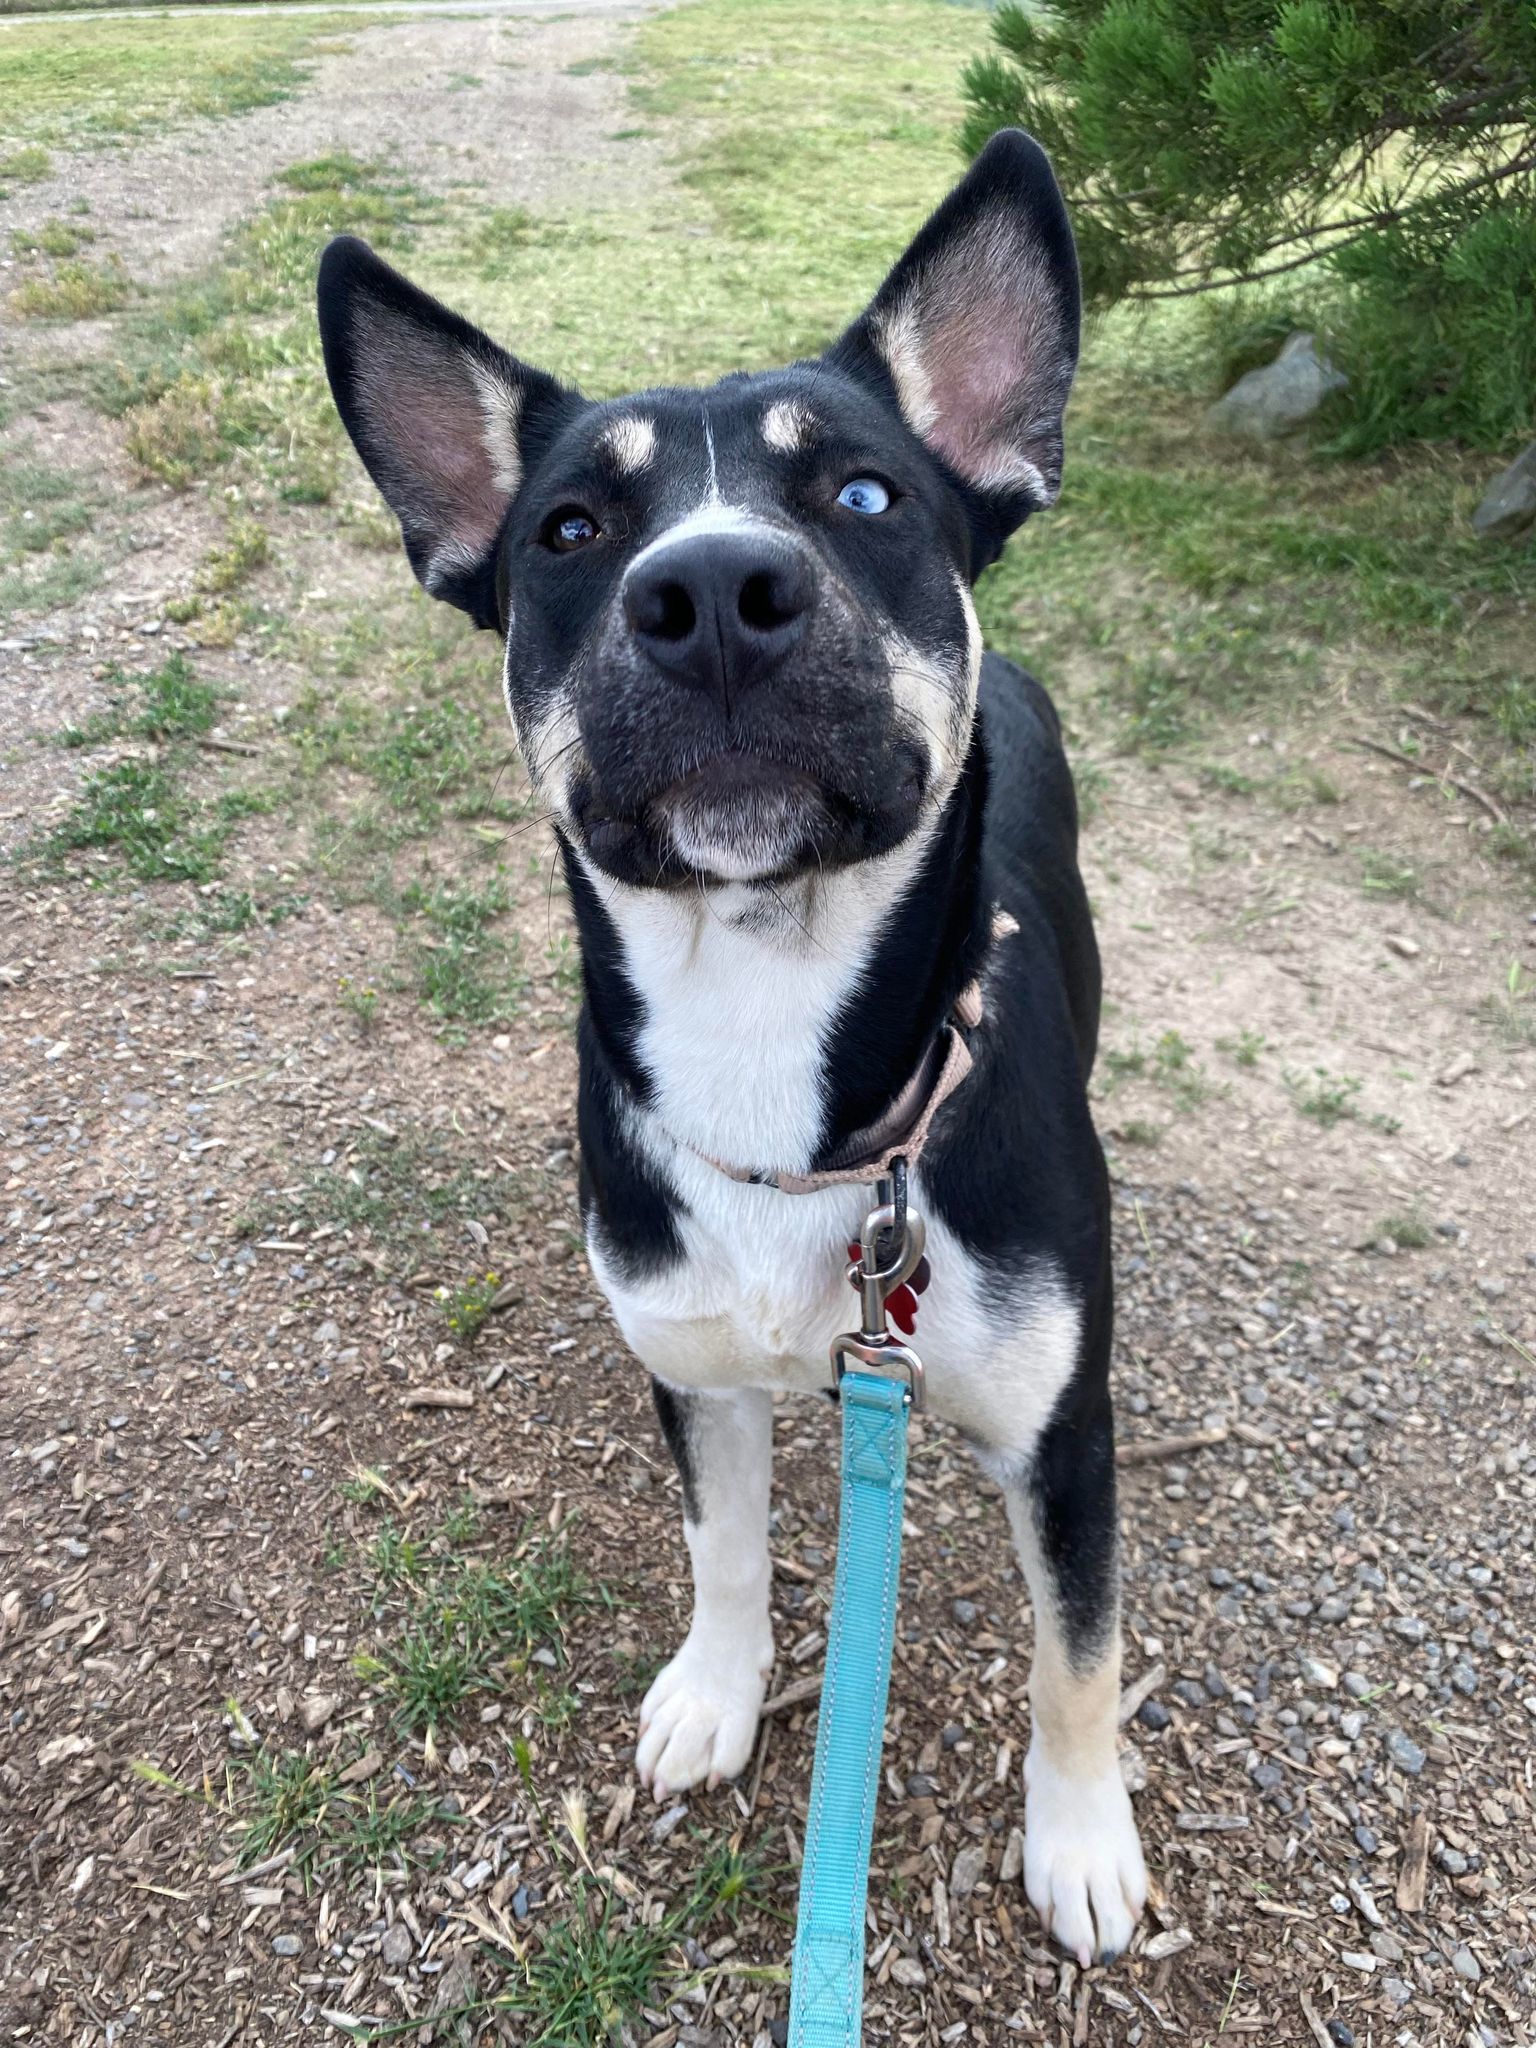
(660, 1829)
(1317, 1673)
(1282, 396)
(1509, 504)
(1154, 1715)
(316, 1710)
(1404, 1752)
(397, 1947)
(1341, 2035)
(967, 1870)
(1012, 1867)
(964, 1612)
(1466, 1966)
(909, 1973)
(287, 1945)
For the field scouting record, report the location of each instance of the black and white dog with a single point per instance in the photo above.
(814, 839)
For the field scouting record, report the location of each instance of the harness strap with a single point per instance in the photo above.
(827, 1984)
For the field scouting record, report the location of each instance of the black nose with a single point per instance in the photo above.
(720, 610)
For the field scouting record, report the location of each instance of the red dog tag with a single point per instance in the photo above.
(901, 1302)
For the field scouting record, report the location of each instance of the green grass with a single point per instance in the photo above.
(172, 703)
(53, 238)
(74, 291)
(1328, 1099)
(458, 1627)
(1411, 1231)
(1170, 1064)
(139, 811)
(65, 84)
(394, 1191)
(468, 972)
(292, 1800)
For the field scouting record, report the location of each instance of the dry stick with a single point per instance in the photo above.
(1143, 1450)
(1135, 1697)
(211, 745)
(1411, 1874)
(1318, 2031)
(1423, 768)
(438, 1397)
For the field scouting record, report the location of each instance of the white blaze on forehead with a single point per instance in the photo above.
(630, 442)
(500, 405)
(786, 425)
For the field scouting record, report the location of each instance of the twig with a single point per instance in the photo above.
(1315, 2027)
(1423, 768)
(438, 1397)
(1410, 1877)
(212, 745)
(794, 1695)
(1135, 1697)
(1143, 1450)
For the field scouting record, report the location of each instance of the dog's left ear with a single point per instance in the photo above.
(976, 330)
(445, 420)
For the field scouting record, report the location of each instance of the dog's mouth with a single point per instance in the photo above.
(741, 818)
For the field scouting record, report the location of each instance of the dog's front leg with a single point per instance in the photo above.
(1083, 1867)
(699, 1719)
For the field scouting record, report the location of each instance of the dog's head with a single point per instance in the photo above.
(739, 634)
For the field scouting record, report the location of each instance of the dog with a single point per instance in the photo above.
(821, 850)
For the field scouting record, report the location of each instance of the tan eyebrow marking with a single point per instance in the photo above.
(630, 441)
(786, 425)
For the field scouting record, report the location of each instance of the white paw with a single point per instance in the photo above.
(1083, 1869)
(699, 1719)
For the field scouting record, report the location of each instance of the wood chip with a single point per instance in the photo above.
(365, 1767)
(1137, 1694)
(1315, 2027)
(1414, 1867)
(438, 1397)
(794, 1695)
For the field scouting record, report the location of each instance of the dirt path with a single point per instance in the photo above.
(231, 1196)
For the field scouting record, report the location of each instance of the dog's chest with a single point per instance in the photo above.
(761, 1290)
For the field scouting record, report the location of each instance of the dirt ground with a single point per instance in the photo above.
(1319, 1108)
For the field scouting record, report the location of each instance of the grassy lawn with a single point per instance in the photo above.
(65, 84)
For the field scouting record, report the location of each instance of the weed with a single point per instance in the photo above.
(365, 1487)
(468, 973)
(75, 291)
(1383, 874)
(466, 1306)
(53, 238)
(360, 1003)
(1512, 1010)
(178, 435)
(246, 547)
(289, 1800)
(1328, 1099)
(138, 809)
(392, 1190)
(1244, 1050)
(26, 166)
(1410, 1231)
(1136, 1130)
(471, 1627)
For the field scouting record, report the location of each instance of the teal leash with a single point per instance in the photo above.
(827, 1981)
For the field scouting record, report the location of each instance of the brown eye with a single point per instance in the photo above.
(571, 529)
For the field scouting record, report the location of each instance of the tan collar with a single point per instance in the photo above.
(904, 1128)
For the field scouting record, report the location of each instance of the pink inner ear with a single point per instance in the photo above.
(977, 350)
(429, 423)
(976, 363)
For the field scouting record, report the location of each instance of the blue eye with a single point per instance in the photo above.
(865, 494)
(570, 530)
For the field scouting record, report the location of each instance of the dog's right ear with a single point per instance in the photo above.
(444, 420)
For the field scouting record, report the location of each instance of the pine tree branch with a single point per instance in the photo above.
(1352, 230)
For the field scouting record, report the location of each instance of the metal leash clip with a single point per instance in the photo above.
(890, 1249)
